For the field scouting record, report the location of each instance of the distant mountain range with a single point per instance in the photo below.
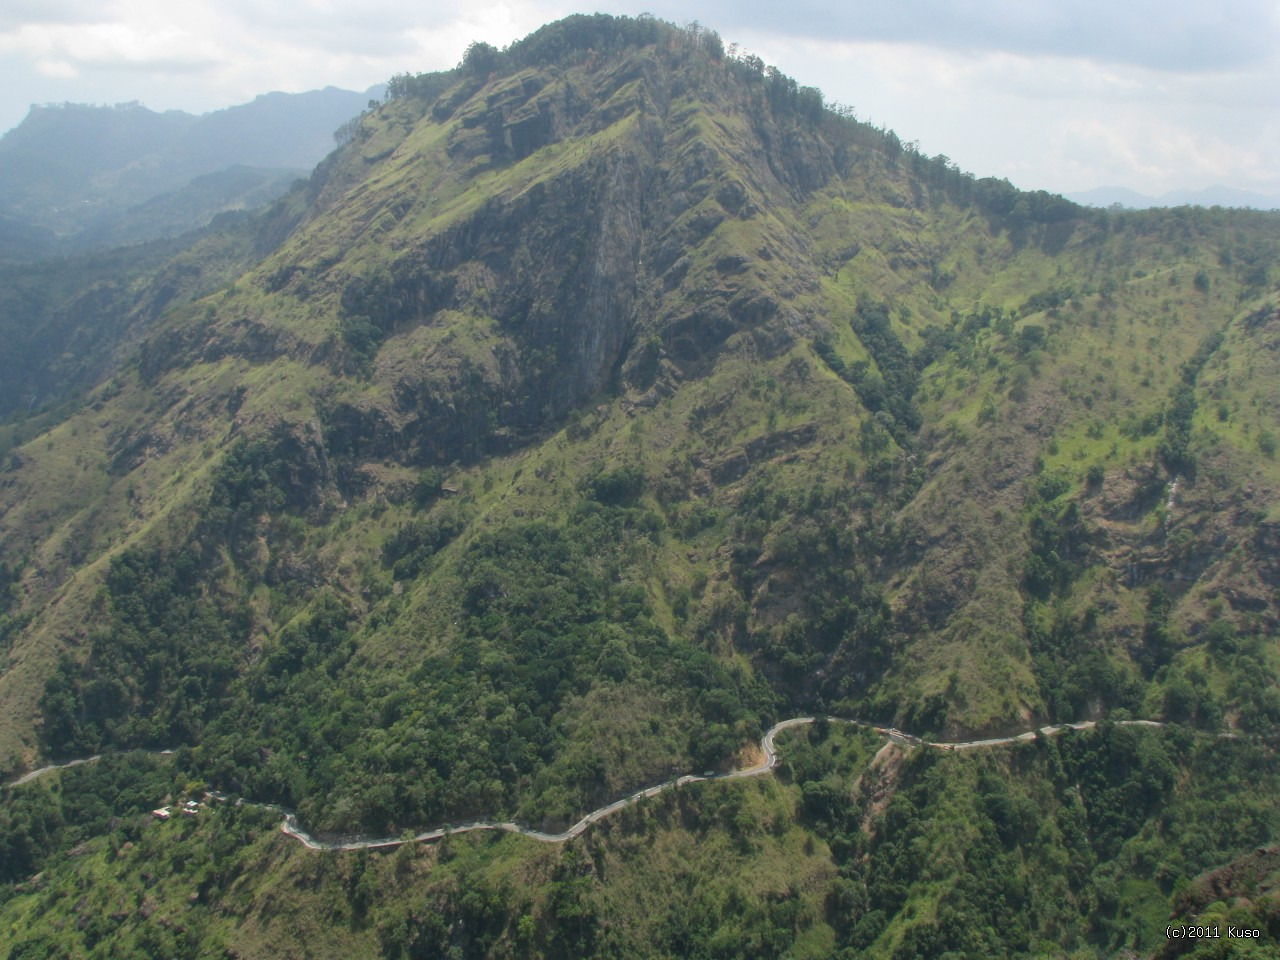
(1216, 196)
(75, 176)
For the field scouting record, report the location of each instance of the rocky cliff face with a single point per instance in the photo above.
(630, 251)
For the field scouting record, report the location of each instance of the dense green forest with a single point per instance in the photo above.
(593, 407)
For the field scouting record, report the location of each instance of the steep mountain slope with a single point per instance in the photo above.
(67, 323)
(606, 399)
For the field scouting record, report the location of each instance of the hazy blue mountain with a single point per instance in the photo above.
(274, 131)
(190, 206)
(57, 155)
(84, 173)
(21, 241)
(1215, 196)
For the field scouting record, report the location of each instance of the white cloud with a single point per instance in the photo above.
(56, 69)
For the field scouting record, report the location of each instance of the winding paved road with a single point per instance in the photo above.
(37, 774)
(291, 827)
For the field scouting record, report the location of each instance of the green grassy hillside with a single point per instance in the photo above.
(600, 403)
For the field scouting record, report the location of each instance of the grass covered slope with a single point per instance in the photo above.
(605, 400)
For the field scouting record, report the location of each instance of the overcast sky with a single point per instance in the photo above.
(1062, 95)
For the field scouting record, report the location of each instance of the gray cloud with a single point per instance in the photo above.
(173, 66)
(1191, 35)
(375, 26)
(16, 13)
